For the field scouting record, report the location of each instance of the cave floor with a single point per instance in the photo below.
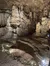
(6, 60)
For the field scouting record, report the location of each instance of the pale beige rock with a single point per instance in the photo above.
(18, 18)
(38, 28)
(44, 27)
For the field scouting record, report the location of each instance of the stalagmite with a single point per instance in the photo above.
(19, 20)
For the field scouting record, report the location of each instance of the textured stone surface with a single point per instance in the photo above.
(41, 29)
(6, 60)
(22, 23)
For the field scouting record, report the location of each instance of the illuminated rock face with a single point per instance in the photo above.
(45, 26)
(38, 28)
(41, 29)
(21, 22)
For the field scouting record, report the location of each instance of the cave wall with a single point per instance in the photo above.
(21, 20)
(41, 29)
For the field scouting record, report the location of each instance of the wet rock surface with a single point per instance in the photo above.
(42, 49)
(6, 60)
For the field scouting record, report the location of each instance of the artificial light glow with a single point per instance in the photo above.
(45, 62)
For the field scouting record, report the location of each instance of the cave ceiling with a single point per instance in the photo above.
(31, 3)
